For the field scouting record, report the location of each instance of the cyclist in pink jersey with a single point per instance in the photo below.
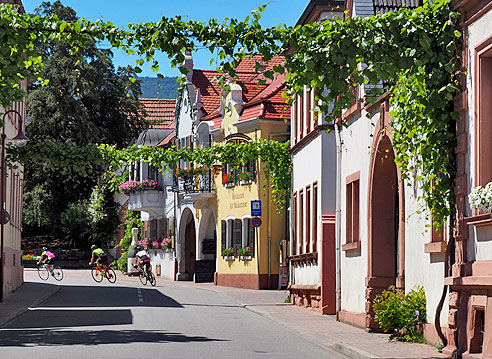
(48, 258)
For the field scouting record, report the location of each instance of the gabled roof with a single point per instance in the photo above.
(263, 101)
(153, 136)
(160, 112)
(203, 80)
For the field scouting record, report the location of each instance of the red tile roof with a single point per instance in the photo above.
(260, 101)
(160, 112)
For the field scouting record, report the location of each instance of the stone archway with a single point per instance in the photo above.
(386, 220)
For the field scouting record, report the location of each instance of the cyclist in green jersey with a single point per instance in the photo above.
(98, 255)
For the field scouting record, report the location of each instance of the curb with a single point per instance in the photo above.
(352, 352)
(14, 313)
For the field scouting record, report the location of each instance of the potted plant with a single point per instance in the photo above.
(227, 178)
(481, 198)
(245, 177)
(144, 243)
(132, 185)
(166, 243)
(228, 254)
(244, 253)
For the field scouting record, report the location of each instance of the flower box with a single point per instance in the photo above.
(245, 258)
(229, 258)
(133, 186)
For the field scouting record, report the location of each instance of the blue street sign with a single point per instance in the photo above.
(256, 208)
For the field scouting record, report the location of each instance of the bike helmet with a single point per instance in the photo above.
(44, 249)
(138, 248)
(93, 247)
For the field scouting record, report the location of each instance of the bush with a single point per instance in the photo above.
(401, 314)
(123, 262)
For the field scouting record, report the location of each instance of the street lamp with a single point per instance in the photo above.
(19, 140)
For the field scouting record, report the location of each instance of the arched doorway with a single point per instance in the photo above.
(206, 264)
(386, 215)
(188, 238)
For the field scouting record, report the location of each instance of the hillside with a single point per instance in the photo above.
(153, 87)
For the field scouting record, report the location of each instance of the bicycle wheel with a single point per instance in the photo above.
(43, 272)
(111, 275)
(97, 275)
(57, 273)
(152, 279)
(143, 278)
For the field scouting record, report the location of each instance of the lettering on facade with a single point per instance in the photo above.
(234, 205)
(237, 138)
(238, 196)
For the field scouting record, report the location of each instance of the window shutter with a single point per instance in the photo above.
(252, 169)
(223, 236)
(251, 237)
(238, 227)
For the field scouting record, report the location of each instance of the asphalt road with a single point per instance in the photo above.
(128, 320)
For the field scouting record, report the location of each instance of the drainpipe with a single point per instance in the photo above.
(270, 136)
(338, 220)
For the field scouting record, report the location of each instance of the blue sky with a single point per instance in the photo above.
(122, 12)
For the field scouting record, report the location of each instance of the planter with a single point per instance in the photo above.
(245, 258)
(229, 258)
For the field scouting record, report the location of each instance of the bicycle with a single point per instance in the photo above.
(100, 271)
(44, 272)
(146, 277)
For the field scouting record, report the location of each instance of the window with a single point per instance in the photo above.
(294, 119)
(301, 116)
(237, 235)
(152, 173)
(230, 232)
(309, 106)
(315, 217)
(352, 214)
(248, 235)
(294, 224)
(308, 220)
(483, 106)
(301, 221)
(223, 235)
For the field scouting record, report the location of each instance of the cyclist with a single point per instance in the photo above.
(142, 258)
(47, 258)
(98, 255)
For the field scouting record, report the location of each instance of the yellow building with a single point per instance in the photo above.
(248, 112)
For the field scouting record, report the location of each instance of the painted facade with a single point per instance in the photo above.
(382, 227)
(470, 278)
(312, 259)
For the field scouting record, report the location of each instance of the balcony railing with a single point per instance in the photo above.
(193, 183)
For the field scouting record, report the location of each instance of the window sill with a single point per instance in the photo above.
(304, 258)
(228, 185)
(435, 247)
(481, 220)
(245, 258)
(228, 258)
(351, 246)
(244, 183)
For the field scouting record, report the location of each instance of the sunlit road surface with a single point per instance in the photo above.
(85, 319)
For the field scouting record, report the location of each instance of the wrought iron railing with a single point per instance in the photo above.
(197, 183)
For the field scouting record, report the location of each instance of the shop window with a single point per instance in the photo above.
(352, 212)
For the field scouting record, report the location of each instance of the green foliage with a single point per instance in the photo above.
(401, 314)
(75, 222)
(275, 157)
(287, 299)
(416, 52)
(154, 87)
(132, 220)
(36, 207)
(104, 213)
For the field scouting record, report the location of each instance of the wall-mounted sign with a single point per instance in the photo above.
(256, 208)
(237, 138)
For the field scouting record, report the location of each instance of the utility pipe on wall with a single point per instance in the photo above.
(338, 220)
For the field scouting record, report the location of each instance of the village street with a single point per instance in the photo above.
(85, 319)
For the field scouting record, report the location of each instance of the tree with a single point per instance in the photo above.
(86, 101)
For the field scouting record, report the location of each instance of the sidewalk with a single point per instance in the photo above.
(321, 329)
(28, 295)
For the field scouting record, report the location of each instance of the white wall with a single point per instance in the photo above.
(165, 258)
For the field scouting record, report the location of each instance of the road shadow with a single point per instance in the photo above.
(110, 296)
(50, 337)
(42, 318)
